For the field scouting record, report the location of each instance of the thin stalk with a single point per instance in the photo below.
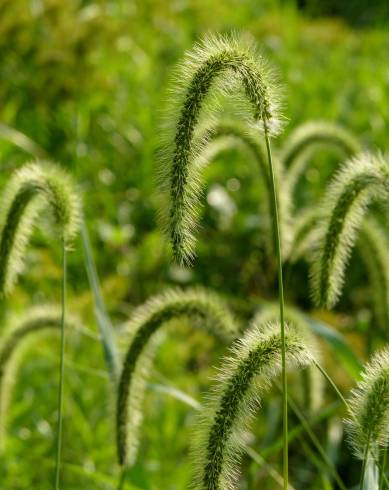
(282, 320)
(122, 478)
(382, 472)
(365, 456)
(314, 459)
(383, 475)
(331, 382)
(260, 461)
(316, 443)
(102, 318)
(298, 429)
(61, 367)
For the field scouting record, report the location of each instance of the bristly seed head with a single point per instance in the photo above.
(203, 309)
(218, 64)
(361, 180)
(369, 408)
(33, 188)
(18, 334)
(373, 248)
(313, 133)
(220, 438)
(311, 387)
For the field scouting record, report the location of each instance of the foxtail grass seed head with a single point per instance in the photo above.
(306, 233)
(19, 333)
(360, 181)
(310, 385)
(203, 309)
(368, 423)
(373, 248)
(217, 65)
(304, 142)
(244, 376)
(294, 158)
(314, 133)
(32, 189)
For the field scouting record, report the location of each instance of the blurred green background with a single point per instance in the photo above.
(87, 81)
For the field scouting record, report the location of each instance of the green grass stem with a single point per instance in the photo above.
(282, 319)
(61, 370)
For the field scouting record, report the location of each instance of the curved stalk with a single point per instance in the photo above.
(282, 319)
(228, 133)
(61, 370)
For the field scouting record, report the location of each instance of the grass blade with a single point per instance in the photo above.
(102, 318)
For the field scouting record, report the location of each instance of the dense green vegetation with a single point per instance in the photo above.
(86, 85)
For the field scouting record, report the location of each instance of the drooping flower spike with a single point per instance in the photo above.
(32, 189)
(359, 182)
(217, 64)
(18, 336)
(203, 309)
(244, 376)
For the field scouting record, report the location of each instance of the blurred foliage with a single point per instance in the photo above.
(358, 12)
(86, 81)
